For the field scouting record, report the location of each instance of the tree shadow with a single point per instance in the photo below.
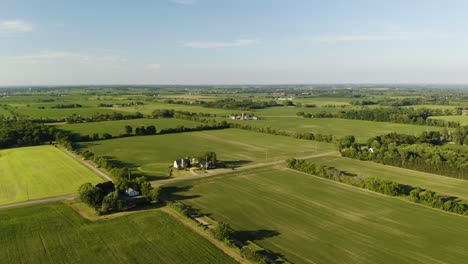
(254, 235)
(232, 163)
(174, 193)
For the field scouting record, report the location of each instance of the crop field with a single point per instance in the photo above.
(362, 130)
(152, 155)
(458, 118)
(36, 172)
(55, 233)
(313, 220)
(61, 113)
(147, 109)
(116, 128)
(433, 182)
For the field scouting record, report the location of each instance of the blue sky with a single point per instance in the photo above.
(45, 42)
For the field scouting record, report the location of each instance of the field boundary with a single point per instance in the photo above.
(219, 244)
(376, 193)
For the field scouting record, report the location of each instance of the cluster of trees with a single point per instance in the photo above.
(61, 106)
(163, 113)
(460, 135)
(319, 170)
(391, 188)
(432, 199)
(27, 133)
(245, 104)
(74, 118)
(363, 102)
(140, 131)
(114, 201)
(417, 153)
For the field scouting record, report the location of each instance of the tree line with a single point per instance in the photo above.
(97, 117)
(391, 188)
(418, 116)
(422, 153)
(27, 133)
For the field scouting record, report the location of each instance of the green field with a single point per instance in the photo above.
(152, 155)
(147, 109)
(362, 130)
(433, 182)
(61, 113)
(116, 128)
(313, 220)
(457, 118)
(54, 233)
(37, 172)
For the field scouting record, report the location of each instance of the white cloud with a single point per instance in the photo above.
(15, 26)
(154, 67)
(184, 2)
(367, 37)
(50, 56)
(208, 45)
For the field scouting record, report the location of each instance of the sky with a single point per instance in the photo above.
(86, 42)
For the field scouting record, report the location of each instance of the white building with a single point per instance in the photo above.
(131, 192)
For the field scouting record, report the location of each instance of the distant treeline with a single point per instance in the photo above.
(97, 117)
(396, 102)
(413, 194)
(419, 116)
(60, 106)
(268, 130)
(421, 153)
(229, 103)
(121, 104)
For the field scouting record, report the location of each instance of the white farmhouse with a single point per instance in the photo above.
(131, 192)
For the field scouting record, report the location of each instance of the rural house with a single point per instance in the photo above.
(181, 163)
(131, 192)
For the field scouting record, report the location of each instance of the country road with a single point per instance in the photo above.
(222, 171)
(87, 164)
(39, 201)
(159, 182)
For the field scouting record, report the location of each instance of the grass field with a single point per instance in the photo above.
(54, 233)
(362, 130)
(37, 172)
(152, 155)
(313, 220)
(437, 183)
(61, 113)
(116, 128)
(458, 118)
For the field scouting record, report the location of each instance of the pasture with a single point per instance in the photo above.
(36, 172)
(115, 128)
(55, 233)
(152, 155)
(314, 220)
(61, 113)
(454, 118)
(362, 130)
(433, 182)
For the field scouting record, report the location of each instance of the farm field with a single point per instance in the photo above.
(116, 128)
(313, 220)
(55, 233)
(458, 118)
(38, 172)
(147, 109)
(61, 113)
(152, 155)
(362, 130)
(433, 182)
